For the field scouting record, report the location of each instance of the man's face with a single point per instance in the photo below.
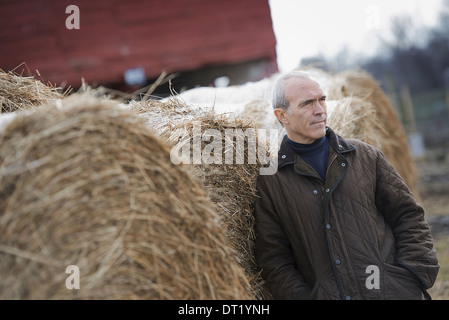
(305, 118)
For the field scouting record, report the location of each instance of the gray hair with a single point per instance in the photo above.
(278, 99)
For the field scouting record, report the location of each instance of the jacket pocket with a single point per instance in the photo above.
(325, 290)
(314, 292)
(400, 284)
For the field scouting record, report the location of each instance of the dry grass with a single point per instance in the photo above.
(440, 290)
(231, 186)
(24, 93)
(88, 184)
(355, 118)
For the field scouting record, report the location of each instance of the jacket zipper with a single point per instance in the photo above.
(330, 163)
(327, 169)
(326, 213)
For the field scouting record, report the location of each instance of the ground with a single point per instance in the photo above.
(434, 193)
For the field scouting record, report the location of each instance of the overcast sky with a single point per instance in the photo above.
(304, 28)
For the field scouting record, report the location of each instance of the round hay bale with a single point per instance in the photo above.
(88, 184)
(163, 116)
(391, 137)
(23, 93)
(261, 112)
(354, 118)
(231, 185)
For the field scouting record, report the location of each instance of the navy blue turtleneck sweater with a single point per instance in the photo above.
(315, 153)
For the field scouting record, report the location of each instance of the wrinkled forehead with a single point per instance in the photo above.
(302, 88)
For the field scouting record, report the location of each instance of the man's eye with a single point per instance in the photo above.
(306, 103)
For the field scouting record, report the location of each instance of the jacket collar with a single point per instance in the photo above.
(286, 155)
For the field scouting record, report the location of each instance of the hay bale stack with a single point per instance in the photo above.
(228, 99)
(88, 184)
(24, 93)
(163, 115)
(261, 113)
(231, 186)
(354, 118)
(391, 137)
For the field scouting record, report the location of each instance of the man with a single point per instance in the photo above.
(336, 221)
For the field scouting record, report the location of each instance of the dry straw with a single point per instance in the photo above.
(88, 184)
(366, 113)
(24, 93)
(354, 118)
(231, 186)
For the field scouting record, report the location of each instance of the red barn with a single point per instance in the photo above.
(125, 42)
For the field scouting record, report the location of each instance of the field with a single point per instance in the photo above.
(434, 191)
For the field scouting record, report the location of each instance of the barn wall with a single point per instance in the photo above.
(155, 35)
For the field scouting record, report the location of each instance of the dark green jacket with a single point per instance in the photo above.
(358, 235)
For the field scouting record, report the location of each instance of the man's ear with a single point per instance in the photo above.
(280, 115)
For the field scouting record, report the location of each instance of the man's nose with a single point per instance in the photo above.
(318, 108)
